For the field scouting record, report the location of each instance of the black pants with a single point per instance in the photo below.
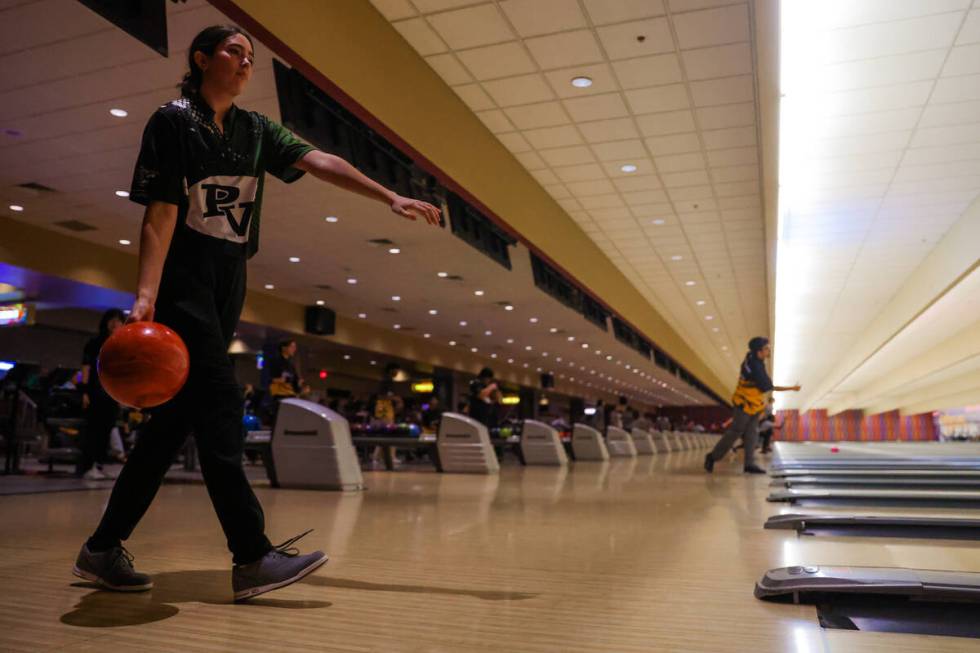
(200, 298)
(765, 437)
(100, 417)
(743, 426)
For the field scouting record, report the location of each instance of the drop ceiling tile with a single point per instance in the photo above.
(674, 144)
(495, 120)
(449, 69)
(648, 71)
(727, 90)
(566, 156)
(734, 156)
(580, 173)
(514, 142)
(970, 32)
(722, 61)
(698, 29)
(619, 150)
(640, 198)
(736, 188)
(536, 17)
(935, 115)
(472, 27)
(682, 179)
(602, 131)
(565, 49)
(544, 176)
(669, 122)
(735, 173)
(495, 61)
(530, 160)
(957, 89)
(420, 36)
(602, 201)
(547, 137)
(948, 153)
(946, 135)
(558, 191)
(718, 139)
(600, 74)
(621, 215)
(690, 193)
(532, 116)
(896, 69)
(596, 107)
(604, 12)
(513, 91)
(474, 96)
(620, 41)
(889, 38)
(591, 187)
(729, 115)
(645, 182)
(569, 204)
(429, 6)
(680, 162)
(657, 99)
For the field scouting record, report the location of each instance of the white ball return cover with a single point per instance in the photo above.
(312, 448)
(541, 444)
(663, 443)
(643, 442)
(464, 446)
(620, 443)
(587, 443)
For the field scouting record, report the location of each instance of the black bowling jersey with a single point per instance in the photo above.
(214, 178)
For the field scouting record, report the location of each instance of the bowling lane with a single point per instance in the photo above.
(638, 554)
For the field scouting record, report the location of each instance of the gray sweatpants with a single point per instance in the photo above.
(743, 426)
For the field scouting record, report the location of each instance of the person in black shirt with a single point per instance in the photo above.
(101, 410)
(283, 373)
(200, 174)
(484, 398)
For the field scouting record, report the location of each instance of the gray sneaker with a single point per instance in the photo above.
(112, 569)
(281, 566)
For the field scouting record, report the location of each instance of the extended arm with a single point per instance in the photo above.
(159, 222)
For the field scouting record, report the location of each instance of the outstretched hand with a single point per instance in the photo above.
(411, 209)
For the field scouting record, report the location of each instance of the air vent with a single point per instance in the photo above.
(381, 241)
(323, 286)
(389, 310)
(33, 185)
(454, 277)
(75, 225)
(405, 328)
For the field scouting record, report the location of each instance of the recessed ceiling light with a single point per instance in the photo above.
(442, 275)
(510, 341)
(320, 302)
(528, 347)
(525, 365)
(571, 338)
(478, 293)
(724, 347)
(462, 323)
(294, 259)
(119, 113)
(474, 349)
(558, 359)
(331, 218)
(585, 345)
(533, 320)
(716, 329)
(539, 369)
(509, 307)
(396, 326)
(629, 167)
(396, 298)
(553, 329)
(676, 257)
(488, 332)
(363, 316)
(426, 335)
(122, 193)
(658, 221)
(269, 286)
(352, 281)
(433, 311)
(374, 362)
(689, 283)
(123, 241)
(700, 302)
(16, 207)
(709, 317)
(346, 357)
(394, 250)
(452, 343)
(545, 354)
(510, 360)
(493, 355)
(581, 82)
(608, 358)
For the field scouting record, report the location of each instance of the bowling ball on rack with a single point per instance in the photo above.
(251, 423)
(143, 364)
(414, 430)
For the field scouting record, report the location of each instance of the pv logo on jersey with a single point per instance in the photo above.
(221, 201)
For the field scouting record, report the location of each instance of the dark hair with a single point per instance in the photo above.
(108, 316)
(757, 343)
(285, 343)
(486, 373)
(206, 41)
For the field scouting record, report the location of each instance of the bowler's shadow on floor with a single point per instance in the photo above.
(103, 609)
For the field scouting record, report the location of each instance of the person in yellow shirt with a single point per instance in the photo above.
(749, 403)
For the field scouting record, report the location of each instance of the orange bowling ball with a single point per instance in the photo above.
(143, 364)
